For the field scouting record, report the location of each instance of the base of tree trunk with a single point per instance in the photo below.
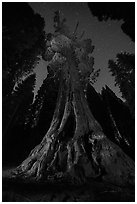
(75, 147)
(103, 159)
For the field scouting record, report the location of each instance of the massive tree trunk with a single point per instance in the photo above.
(75, 145)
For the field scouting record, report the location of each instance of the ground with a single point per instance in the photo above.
(94, 191)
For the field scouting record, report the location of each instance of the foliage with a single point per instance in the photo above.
(61, 41)
(124, 72)
(17, 105)
(24, 93)
(23, 42)
(116, 11)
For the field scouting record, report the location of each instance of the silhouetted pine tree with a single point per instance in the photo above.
(22, 42)
(14, 118)
(124, 72)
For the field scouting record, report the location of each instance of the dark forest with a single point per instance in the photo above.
(67, 142)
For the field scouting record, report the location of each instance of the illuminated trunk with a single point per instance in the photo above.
(75, 146)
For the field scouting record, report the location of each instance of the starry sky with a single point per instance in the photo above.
(107, 37)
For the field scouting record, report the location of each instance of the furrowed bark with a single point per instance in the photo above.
(84, 154)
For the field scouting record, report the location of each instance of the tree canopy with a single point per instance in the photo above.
(23, 42)
(116, 11)
(123, 69)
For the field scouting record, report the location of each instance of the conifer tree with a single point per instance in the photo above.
(74, 147)
(124, 72)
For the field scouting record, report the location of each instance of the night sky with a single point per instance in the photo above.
(107, 37)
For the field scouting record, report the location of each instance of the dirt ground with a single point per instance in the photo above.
(94, 191)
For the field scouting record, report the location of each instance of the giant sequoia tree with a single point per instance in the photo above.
(75, 146)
